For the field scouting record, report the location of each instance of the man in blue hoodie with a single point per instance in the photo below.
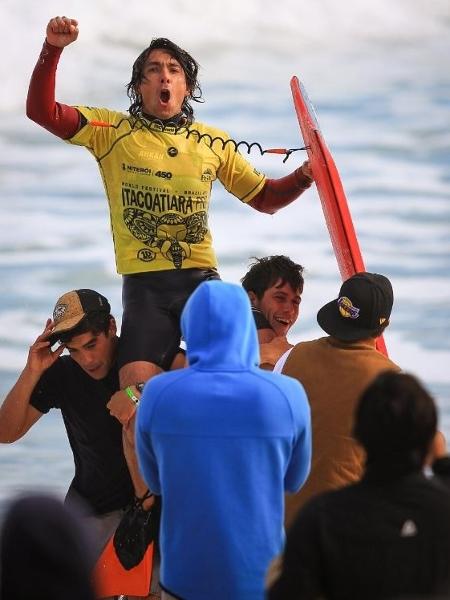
(221, 441)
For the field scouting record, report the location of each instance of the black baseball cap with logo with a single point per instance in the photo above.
(363, 306)
(73, 307)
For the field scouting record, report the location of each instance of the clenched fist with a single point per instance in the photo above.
(61, 31)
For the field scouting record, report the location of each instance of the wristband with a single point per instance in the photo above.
(131, 395)
(140, 386)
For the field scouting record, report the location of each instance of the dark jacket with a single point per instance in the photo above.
(380, 538)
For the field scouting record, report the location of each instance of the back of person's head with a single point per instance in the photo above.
(80, 311)
(268, 271)
(395, 420)
(218, 327)
(361, 310)
(44, 552)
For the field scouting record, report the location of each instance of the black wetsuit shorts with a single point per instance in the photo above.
(152, 305)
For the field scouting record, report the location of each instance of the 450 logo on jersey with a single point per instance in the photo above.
(171, 235)
(146, 171)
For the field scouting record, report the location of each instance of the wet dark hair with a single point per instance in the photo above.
(396, 420)
(95, 322)
(188, 64)
(267, 271)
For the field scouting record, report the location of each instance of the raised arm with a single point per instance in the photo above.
(278, 193)
(16, 413)
(60, 119)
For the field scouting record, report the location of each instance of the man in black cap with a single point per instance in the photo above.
(334, 370)
(80, 385)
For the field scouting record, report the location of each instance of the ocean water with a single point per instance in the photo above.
(375, 71)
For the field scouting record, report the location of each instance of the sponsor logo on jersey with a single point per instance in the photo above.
(146, 255)
(135, 169)
(150, 155)
(207, 175)
(161, 203)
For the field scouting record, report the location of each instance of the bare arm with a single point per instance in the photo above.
(278, 193)
(16, 413)
(60, 119)
(272, 351)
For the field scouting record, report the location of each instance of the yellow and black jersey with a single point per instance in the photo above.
(158, 184)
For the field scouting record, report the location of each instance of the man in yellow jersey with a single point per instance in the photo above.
(157, 166)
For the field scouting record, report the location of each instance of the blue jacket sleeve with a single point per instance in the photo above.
(145, 453)
(300, 463)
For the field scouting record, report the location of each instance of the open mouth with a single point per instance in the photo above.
(164, 96)
(283, 322)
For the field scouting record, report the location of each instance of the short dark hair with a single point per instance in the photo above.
(95, 322)
(396, 420)
(267, 271)
(188, 64)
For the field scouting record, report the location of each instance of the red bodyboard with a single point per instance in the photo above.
(331, 192)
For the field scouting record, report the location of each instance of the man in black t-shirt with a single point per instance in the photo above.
(80, 385)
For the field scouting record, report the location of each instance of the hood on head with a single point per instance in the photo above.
(218, 327)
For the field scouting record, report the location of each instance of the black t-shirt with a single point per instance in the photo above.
(101, 476)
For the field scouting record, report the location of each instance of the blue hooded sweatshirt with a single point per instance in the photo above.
(221, 441)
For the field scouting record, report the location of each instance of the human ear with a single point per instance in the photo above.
(253, 298)
(112, 326)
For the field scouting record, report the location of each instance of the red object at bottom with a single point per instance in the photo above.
(111, 579)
